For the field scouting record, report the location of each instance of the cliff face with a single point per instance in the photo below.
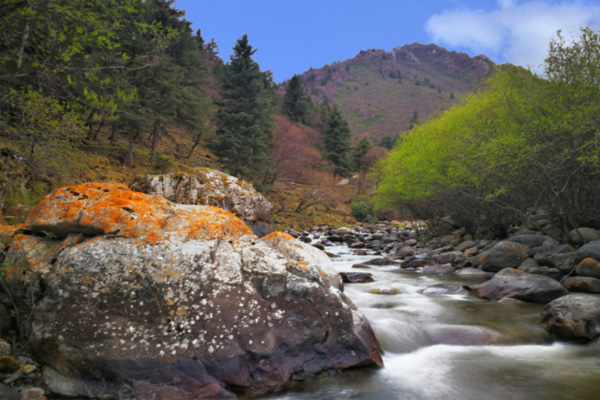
(380, 91)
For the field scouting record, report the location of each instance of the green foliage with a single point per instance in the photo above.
(361, 210)
(358, 153)
(244, 120)
(295, 104)
(161, 162)
(336, 141)
(520, 143)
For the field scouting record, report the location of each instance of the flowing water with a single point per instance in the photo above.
(453, 347)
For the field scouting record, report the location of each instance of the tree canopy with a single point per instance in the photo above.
(521, 143)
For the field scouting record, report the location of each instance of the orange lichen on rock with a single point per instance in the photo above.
(205, 223)
(59, 212)
(110, 209)
(278, 235)
(129, 214)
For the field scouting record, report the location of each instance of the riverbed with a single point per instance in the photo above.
(452, 346)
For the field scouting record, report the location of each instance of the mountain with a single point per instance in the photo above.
(383, 93)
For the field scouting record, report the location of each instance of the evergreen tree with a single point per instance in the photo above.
(244, 120)
(335, 138)
(295, 101)
(359, 161)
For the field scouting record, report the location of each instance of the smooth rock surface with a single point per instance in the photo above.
(573, 317)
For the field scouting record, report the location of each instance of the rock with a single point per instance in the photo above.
(33, 394)
(554, 247)
(438, 269)
(522, 286)
(410, 242)
(584, 235)
(505, 255)
(529, 240)
(471, 252)
(386, 291)
(305, 239)
(467, 335)
(416, 263)
(442, 288)
(467, 244)
(212, 188)
(404, 251)
(8, 366)
(573, 317)
(583, 284)
(588, 267)
(588, 250)
(5, 347)
(177, 301)
(8, 393)
(450, 257)
(472, 273)
(381, 262)
(364, 266)
(450, 239)
(564, 262)
(357, 245)
(531, 267)
(356, 277)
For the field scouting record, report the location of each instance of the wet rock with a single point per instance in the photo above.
(584, 235)
(505, 255)
(178, 300)
(416, 263)
(381, 262)
(589, 250)
(438, 269)
(305, 239)
(385, 291)
(357, 245)
(356, 277)
(443, 288)
(588, 267)
(359, 252)
(364, 266)
(554, 247)
(467, 335)
(472, 273)
(573, 317)
(212, 188)
(582, 284)
(531, 267)
(61, 385)
(520, 285)
(33, 394)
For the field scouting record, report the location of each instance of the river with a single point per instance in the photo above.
(432, 347)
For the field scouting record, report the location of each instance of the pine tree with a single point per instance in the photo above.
(335, 139)
(244, 120)
(295, 101)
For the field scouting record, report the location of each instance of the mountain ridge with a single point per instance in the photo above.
(385, 93)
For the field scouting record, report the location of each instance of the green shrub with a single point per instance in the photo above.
(361, 210)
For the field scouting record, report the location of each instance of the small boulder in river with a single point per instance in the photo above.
(573, 317)
(519, 285)
(442, 288)
(356, 277)
(440, 269)
(584, 284)
(135, 293)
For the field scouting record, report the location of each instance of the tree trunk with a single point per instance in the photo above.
(155, 137)
(130, 149)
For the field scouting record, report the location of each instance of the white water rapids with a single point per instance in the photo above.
(432, 347)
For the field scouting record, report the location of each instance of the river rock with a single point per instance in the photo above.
(363, 266)
(450, 257)
(472, 273)
(520, 285)
(529, 240)
(440, 269)
(564, 262)
(588, 250)
(356, 277)
(584, 284)
(573, 317)
(442, 288)
(213, 188)
(8, 393)
(505, 255)
(584, 235)
(588, 267)
(404, 251)
(381, 262)
(174, 299)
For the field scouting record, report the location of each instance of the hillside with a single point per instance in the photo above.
(380, 91)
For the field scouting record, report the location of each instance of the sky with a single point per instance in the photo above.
(291, 36)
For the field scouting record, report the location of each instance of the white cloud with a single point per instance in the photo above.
(515, 33)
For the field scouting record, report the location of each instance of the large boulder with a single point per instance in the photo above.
(573, 317)
(588, 250)
(213, 188)
(520, 285)
(584, 235)
(505, 255)
(128, 292)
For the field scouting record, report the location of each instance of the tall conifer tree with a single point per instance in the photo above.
(295, 101)
(244, 121)
(336, 140)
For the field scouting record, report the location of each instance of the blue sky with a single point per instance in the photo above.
(293, 35)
